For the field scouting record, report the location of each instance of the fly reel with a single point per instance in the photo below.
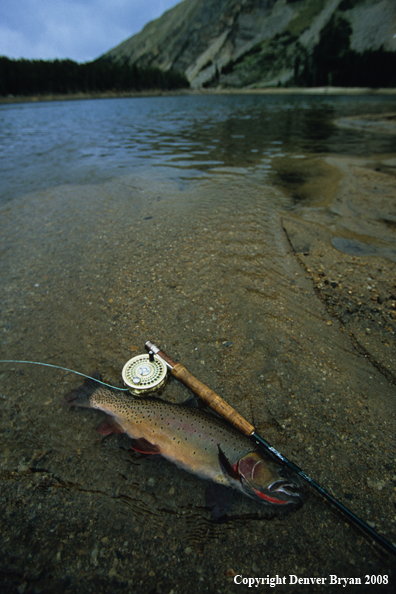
(144, 373)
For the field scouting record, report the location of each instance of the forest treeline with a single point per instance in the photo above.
(52, 77)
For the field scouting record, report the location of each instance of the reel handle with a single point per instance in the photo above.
(213, 400)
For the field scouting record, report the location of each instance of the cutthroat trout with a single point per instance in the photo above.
(193, 439)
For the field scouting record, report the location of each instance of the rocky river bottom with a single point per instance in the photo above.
(289, 316)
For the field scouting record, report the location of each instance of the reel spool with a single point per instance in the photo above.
(144, 373)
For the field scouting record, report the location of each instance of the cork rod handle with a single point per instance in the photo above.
(212, 399)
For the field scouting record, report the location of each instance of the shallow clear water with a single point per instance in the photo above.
(48, 144)
(128, 220)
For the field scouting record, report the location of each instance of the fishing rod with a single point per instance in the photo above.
(220, 406)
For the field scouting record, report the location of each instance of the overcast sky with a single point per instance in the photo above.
(80, 30)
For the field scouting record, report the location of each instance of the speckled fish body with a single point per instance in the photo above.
(193, 439)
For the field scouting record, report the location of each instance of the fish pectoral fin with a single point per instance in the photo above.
(193, 402)
(109, 426)
(218, 500)
(143, 446)
(225, 465)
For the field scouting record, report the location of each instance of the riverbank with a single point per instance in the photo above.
(348, 248)
(159, 93)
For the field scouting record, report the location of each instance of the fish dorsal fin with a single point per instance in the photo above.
(226, 467)
(193, 402)
(143, 446)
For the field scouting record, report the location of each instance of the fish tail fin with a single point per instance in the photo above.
(81, 396)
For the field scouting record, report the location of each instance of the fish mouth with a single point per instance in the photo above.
(280, 492)
(286, 490)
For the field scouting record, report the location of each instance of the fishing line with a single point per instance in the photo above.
(65, 369)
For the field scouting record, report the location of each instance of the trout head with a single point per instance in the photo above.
(267, 482)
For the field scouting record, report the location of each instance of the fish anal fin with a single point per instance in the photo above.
(226, 467)
(143, 446)
(109, 426)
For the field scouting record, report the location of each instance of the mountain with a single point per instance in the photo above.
(261, 43)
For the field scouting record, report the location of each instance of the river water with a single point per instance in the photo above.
(160, 218)
(84, 142)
